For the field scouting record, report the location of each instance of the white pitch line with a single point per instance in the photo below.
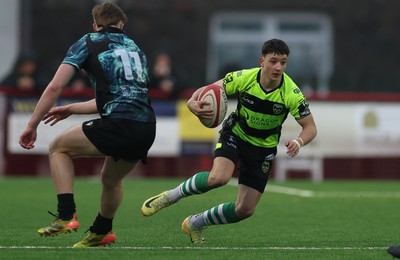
(281, 189)
(326, 194)
(358, 194)
(332, 194)
(199, 248)
(290, 191)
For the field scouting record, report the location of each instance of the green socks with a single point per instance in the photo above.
(221, 214)
(197, 184)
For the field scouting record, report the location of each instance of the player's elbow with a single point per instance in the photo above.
(314, 132)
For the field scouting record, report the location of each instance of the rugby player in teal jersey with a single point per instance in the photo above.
(250, 135)
(123, 134)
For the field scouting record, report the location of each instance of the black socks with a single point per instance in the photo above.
(101, 225)
(66, 210)
(66, 206)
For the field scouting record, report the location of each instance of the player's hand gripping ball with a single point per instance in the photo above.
(218, 102)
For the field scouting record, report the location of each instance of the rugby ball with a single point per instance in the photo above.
(218, 102)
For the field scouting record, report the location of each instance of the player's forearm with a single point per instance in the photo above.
(309, 130)
(307, 135)
(44, 104)
(87, 107)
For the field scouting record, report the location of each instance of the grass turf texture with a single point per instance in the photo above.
(339, 220)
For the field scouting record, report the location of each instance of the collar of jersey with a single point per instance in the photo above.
(110, 29)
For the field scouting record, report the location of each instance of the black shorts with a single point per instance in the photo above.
(255, 162)
(121, 138)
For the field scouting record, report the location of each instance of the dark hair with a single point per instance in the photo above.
(275, 46)
(107, 14)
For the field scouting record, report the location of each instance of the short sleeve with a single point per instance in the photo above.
(298, 104)
(232, 81)
(77, 53)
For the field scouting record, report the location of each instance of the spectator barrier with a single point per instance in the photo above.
(356, 139)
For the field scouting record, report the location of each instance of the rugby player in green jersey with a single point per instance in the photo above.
(250, 136)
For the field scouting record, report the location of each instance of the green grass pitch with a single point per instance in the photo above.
(294, 220)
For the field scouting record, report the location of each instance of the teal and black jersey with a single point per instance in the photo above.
(260, 114)
(118, 71)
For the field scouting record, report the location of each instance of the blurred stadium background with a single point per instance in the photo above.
(343, 56)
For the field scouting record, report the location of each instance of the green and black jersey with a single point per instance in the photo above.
(260, 114)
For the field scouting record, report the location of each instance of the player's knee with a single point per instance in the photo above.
(58, 146)
(244, 212)
(53, 146)
(109, 182)
(106, 180)
(217, 180)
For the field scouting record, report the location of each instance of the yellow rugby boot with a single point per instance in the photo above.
(59, 226)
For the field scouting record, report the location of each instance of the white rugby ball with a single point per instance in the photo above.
(218, 102)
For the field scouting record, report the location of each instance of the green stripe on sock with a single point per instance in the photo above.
(210, 218)
(216, 215)
(227, 216)
(200, 181)
(230, 213)
(190, 183)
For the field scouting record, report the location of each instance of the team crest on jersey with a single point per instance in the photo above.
(228, 78)
(277, 108)
(296, 91)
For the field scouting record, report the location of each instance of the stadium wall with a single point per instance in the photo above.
(364, 31)
(356, 139)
